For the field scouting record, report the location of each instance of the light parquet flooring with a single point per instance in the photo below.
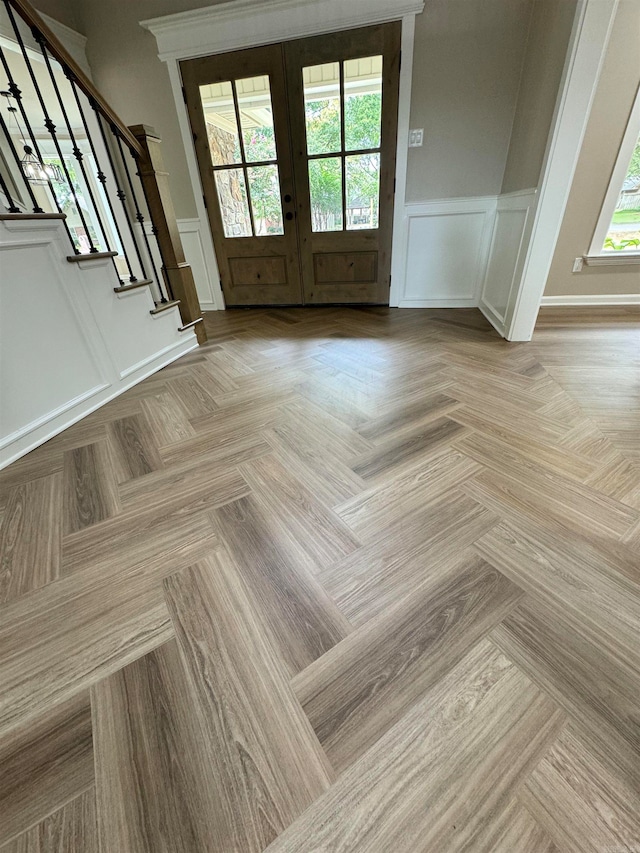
(341, 580)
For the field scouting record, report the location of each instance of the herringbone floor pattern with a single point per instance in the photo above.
(341, 580)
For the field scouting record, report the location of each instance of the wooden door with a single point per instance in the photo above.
(296, 150)
(344, 173)
(238, 112)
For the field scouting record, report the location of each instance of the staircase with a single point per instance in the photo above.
(95, 291)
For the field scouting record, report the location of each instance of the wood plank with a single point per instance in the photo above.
(393, 502)
(90, 493)
(509, 453)
(44, 765)
(597, 587)
(71, 829)
(409, 449)
(265, 759)
(279, 492)
(545, 496)
(193, 395)
(357, 691)
(192, 484)
(224, 450)
(134, 451)
(59, 640)
(153, 790)
(583, 674)
(146, 539)
(373, 578)
(581, 803)
(31, 536)
(433, 780)
(168, 420)
(408, 417)
(514, 830)
(303, 621)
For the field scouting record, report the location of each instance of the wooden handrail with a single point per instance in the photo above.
(31, 16)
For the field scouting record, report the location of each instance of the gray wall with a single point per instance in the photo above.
(609, 116)
(551, 24)
(64, 11)
(466, 74)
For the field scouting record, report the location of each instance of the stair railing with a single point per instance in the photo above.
(64, 151)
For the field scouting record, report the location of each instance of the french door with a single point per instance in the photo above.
(296, 150)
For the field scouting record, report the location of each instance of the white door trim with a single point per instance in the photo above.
(245, 23)
(588, 46)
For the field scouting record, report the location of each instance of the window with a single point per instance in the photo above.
(617, 234)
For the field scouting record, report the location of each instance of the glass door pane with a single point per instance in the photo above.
(343, 114)
(239, 120)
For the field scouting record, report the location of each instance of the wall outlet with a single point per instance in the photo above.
(415, 137)
(577, 265)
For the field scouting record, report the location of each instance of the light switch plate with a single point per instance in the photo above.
(415, 137)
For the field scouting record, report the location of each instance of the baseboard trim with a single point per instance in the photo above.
(610, 299)
(438, 303)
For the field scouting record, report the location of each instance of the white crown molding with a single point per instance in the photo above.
(245, 23)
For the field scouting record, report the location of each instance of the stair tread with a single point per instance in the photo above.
(164, 306)
(132, 285)
(90, 256)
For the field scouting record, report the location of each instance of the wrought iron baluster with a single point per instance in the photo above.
(50, 126)
(119, 191)
(5, 189)
(16, 157)
(77, 153)
(140, 219)
(15, 93)
(100, 175)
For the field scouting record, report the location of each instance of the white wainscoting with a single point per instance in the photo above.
(199, 253)
(68, 343)
(509, 241)
(445, 256)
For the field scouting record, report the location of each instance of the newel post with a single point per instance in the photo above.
(155, 182)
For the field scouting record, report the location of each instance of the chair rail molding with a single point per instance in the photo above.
(245, 23)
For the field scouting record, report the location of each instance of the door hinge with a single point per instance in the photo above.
(394, 186)
(184, 95)
(204, 199)
(399, 62)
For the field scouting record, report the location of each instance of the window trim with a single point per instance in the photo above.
(597, 255)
